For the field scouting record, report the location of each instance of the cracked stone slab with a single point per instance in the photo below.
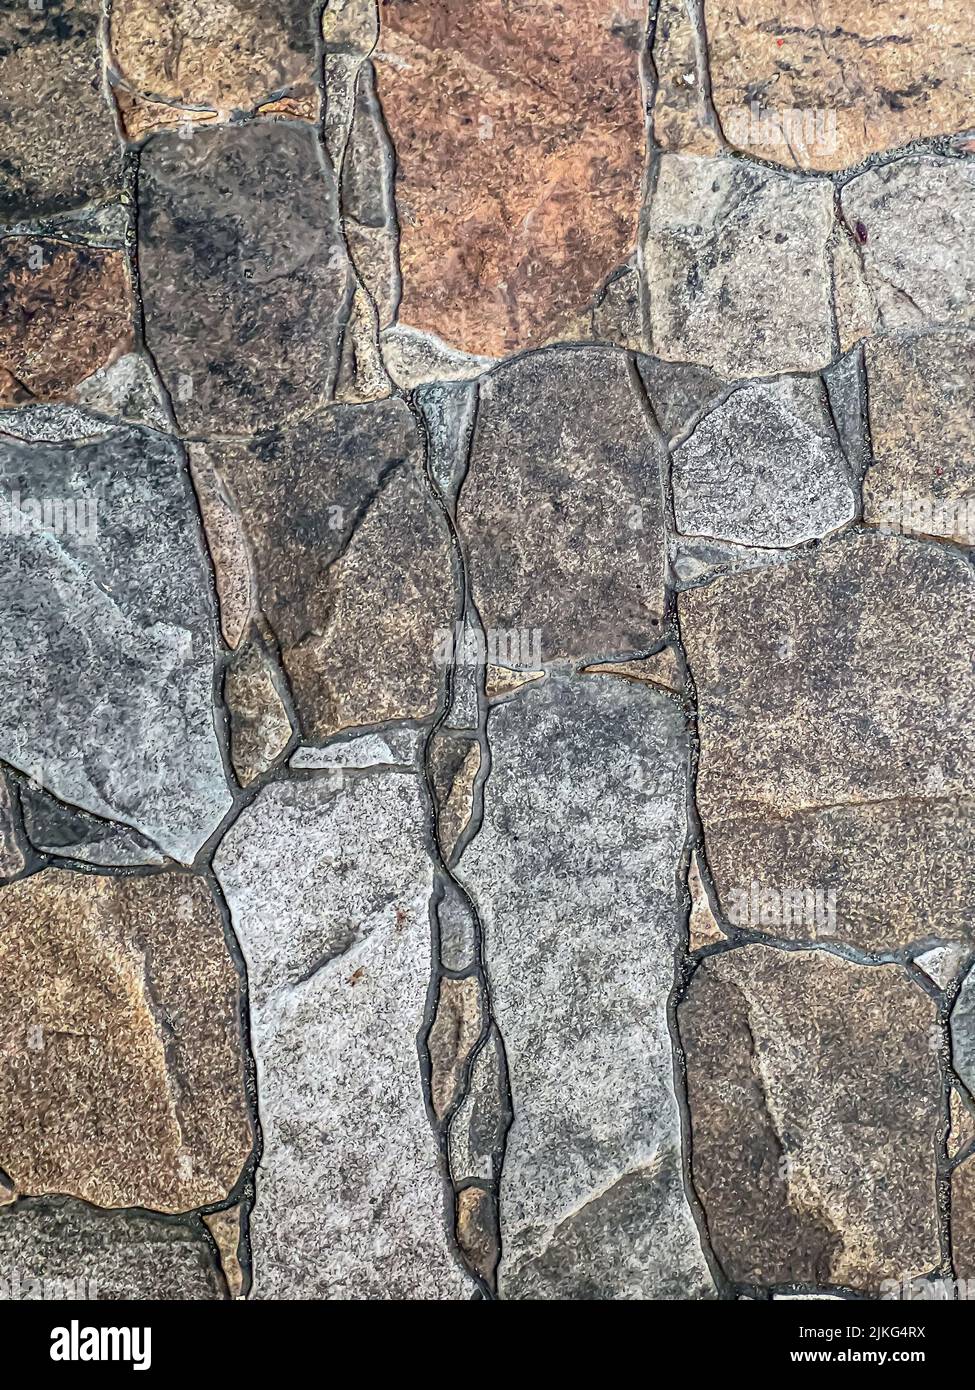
(65, 311)
(232, 55)
(60, 1249)
(764, 468)
(816, 1105)
(922, 404)
(583, 573)
(513, 209)
(123, 1083)
(328, 887)
(829, 82)
(734, 257)
(106, 618)
(912, 222)
(244, 275)
(574, 875)
(837, 751)
(351, 560)
(60, 145)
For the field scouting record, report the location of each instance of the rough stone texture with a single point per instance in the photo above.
(963, 1033)
(734, 258)
(65, 832)
(815, 1102)
(825, 83)
(454, 764)
(481, 1121)
(519, 139)
(586, 573)
(60, 146)
(912, 223)
(456, 1028)
(703, 928)
(592, 1203)
(225, 1228)
(477, 1231)
(351, 560)
(922, 404)
(680, 121)
(108, 625)
(123, 1082)
(328, 888)
(11, 849)
(245, 279)
(260, 729)
(764, 468)
(232, 55)
(943, 964)
(65, 311)
(837, 753)
(60, 1249)
(963, 1220)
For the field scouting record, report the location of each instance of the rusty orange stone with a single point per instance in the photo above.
(519, 137)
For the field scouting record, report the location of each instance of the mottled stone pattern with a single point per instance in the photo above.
(487, 769)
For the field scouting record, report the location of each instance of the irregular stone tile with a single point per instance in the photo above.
(513, 208)
(586, 574)
(232, 55)
(61, 1249)
(815, 1103)
(963, 1033)
(846, 395)
(396, 746)
(499, 681)
(477, 1231)
(702, 927)
(963, 1220)
(260, 729)
(962, 1129)
(65, 832)
(943, 964)
(837, 751)
(227, 546)
(680, 120)
(124, 1084)
(856, 314)
(351, 25)
(481, 1121)
(662, 669)
(65, 311)
(456, 1028)
(106, 619)
(922, 403)
(351, 562)
(456, 929)
(52, 424)
(60, 145)
(734, 257)
(244, 276)
(617, 316)
(764, 468)
(454, 765)
(414, 358)
(912, 221)
(328, 888)
(448, 410)
(584, 822)
(225, 1227)
(362, 374)
(11, 850)
(124, 390)
(139, 117)
(829, 82)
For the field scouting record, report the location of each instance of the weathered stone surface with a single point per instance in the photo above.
(244, 275)
(734, 260)
(456, 1028)
(584, 571)
(963, 1220)
(61, 1249)
(477, 1231)
(328, 887)
(260, 729)
(395, 747)
(662, 669)
(617, 315)
(481, 1121)
(60, 146)
(677, 391)
(922, 405)
(226, 543)
(912, 222)
(702, 925)
(680, 118)
(225, 1227)
(828, 82)
(454, 765)
(584, 821)
(123, 1083)
(962, 1130)
(351, 559)
(815, 1102)
(413, 358)
(11, 850)
(519, 141)
(457, 930)
(764, 468)
(963, 1033)
(124, 390)
(231, 55)
(837, 751)
(943, 964)
(65, 311)
(66, 832)
(106, 620)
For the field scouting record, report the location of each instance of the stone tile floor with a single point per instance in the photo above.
(487, 498)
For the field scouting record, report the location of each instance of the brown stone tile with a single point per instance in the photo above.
(825, 83)
(680, 121)
(124, 1077)
(59, 140)
(837, 750)
(816, 1104)
(65, 311)
(456, 1028)
(259, 723)
(963, 1220)
(520, 141)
